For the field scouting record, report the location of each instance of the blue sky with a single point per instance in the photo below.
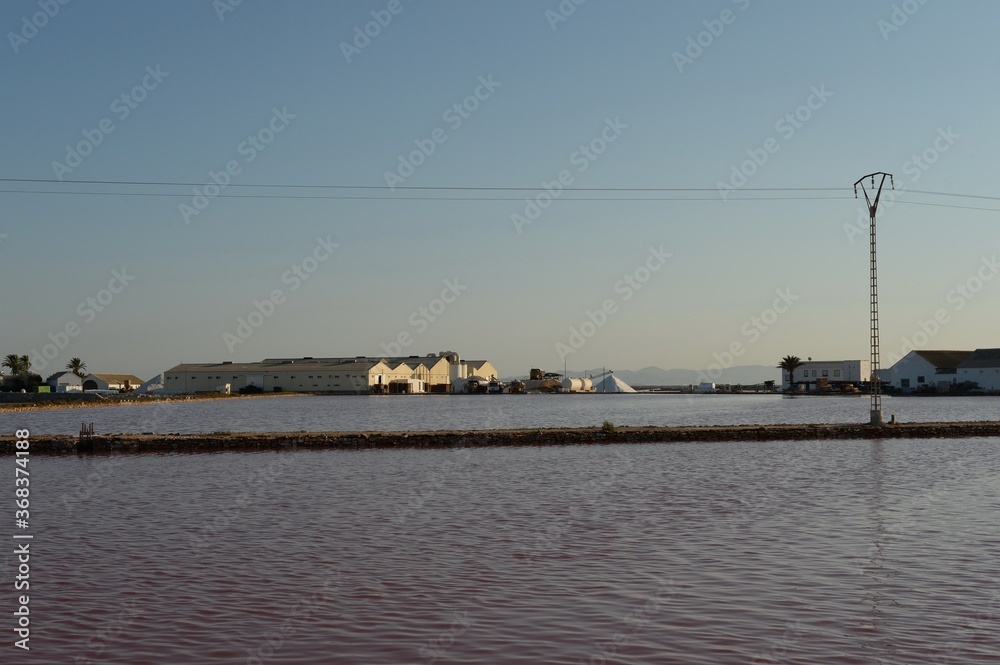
(886, 82)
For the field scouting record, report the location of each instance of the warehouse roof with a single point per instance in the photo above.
(264, 368)
(118, 378)
(981, 358)
(944, 360)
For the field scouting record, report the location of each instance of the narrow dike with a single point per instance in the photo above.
(253, 441)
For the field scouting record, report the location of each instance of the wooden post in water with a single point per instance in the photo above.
(85, 444)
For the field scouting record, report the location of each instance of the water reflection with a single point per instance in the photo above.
(879, 570)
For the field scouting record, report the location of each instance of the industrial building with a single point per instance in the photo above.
(926, 370)
(982, 367)
(828, 374)
(124, 382)
(66, 382)
(940, 371)
(360, 375)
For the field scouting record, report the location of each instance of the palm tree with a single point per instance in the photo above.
(16, 364)
(790, 364)
(77, 366)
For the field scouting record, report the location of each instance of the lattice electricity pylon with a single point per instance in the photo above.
(875, 380)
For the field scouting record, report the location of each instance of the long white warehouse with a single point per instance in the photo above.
(360, 375)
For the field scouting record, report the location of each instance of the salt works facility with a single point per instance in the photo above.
(443, 372)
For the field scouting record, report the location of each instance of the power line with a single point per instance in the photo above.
(964, 196)
(389, 192)
(166, 183)
(424, 198)
(414, 187)
(947, 205)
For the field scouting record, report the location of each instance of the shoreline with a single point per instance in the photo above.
(20, 403)
(90, 400)
(62, 444)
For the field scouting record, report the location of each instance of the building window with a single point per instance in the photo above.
(836, 373)
(826, 372)
(814, 373)
(921, 379)
(904, 383)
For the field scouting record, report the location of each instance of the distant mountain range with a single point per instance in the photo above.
(657, 376)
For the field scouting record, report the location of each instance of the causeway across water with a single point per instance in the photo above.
(251, 441)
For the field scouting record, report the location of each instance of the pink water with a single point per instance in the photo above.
(792, 552)
(436, 412)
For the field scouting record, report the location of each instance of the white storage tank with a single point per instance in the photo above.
(572, 385)
(588, 385)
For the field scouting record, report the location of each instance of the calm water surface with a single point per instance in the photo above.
(415, 412)
(784, 552)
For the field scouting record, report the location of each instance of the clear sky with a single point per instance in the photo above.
(601, 95)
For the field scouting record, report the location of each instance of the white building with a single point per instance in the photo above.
(926, 370)
(352, 376)
(836, 374)
(111, 382)
(982, 367)
(481, 367)
(359, 375)
(65, 382)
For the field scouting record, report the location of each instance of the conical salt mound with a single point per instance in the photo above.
(154, 385)
(612, 384)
